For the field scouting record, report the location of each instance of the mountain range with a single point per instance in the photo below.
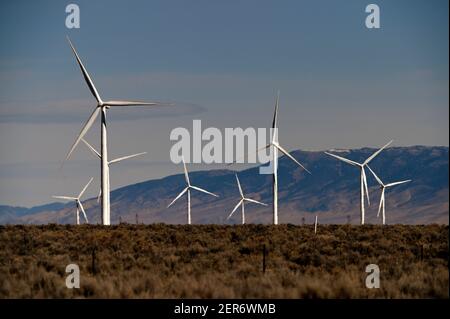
(331, 192)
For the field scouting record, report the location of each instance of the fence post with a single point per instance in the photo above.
(264, 258)
(93, 266)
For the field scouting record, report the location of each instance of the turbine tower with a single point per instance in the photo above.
(383, 189)
(78, 202)
(101, 107)
(242, 202)
(117, 160)
(275, 148)
(363, 179)
(188, 190)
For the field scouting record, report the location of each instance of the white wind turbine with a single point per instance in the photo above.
(188, 190)
(117, 160)
(242, 202)
(275, 148)
(78, 202)
(101, 107)
(363, 178)
(383, 189)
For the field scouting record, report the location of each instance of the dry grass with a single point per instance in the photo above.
(211, 261)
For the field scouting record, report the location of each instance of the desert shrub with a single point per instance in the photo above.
(216, 261)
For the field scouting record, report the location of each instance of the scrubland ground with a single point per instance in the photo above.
(215, 261)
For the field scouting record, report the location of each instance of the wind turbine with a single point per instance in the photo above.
(383, 189)
(275, 148)
(101, 107)
(188, 190)
(242, 202)
(78, 202)
(117, 160)
(363, 178)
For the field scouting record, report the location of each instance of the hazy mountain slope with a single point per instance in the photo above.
(332, 192)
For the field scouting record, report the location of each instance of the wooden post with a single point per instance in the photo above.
(315, 225)
(264, 258)
(94, 270)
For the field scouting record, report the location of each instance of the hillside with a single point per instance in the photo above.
(331, 192)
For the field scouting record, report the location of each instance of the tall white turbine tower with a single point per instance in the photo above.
(78, 202)
(275, 148)
(363, 179)
(242, 202)
(117, 160)
(101, 107)
(188, 190)
(383, 189)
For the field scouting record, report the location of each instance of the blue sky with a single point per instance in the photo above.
(342, 85)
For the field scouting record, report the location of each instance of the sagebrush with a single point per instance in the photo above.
(215, 261)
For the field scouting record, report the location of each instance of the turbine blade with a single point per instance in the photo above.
(65, 197)
(84, 130)
(186, 175)
(376, 153)
(125, 157)
(239, 185)
(275, 113)
(91, 148)
(133, 103)
(254, 201)
(375, 175)
(290, 156)
(203, 190)
(85, 187)
(86, 76)
(344, 159)
(82, 210)
(235, 207)
(99, 195)
(363, 172)
(179, 195)
(398, 183)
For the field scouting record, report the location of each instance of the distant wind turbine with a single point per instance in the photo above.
(117, 160)
(242, 202)
(102, 106)
(188, 190)
(277, 147)
(78, 202)
(363, 178)
(383, 189)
